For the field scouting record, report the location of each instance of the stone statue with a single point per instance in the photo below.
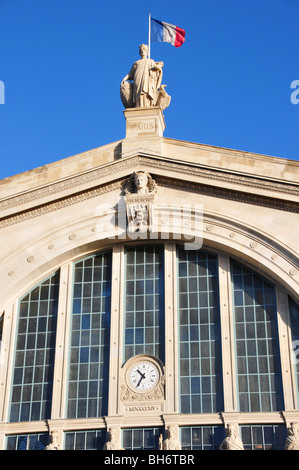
(292, 441)
(232, 440)
(113, 443)
(53, 441)
(171, 443)
(146, 89)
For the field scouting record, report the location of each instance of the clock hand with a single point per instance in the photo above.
(142, 377)
(139, 381)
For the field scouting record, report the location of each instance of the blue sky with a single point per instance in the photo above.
(62, 62)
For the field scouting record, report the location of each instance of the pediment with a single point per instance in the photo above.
(168, 172)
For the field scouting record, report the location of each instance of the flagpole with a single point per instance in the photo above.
(149, 35)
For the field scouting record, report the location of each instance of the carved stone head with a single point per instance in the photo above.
(140, 183)
(143, 51)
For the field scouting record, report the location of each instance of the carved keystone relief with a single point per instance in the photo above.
(139, 196)
(142, 380)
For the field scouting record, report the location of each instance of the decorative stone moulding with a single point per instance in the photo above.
(145, 209)
(270, 255)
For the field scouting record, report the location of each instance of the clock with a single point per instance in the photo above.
(142, 380)
(143, 376)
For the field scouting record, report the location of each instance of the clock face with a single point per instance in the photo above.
(143, 376)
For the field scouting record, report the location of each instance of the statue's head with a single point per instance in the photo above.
(294, 428)
(171, 431)
(143, 50)
(231, 430)
(54, 436)
(112, 434)
(140, 180)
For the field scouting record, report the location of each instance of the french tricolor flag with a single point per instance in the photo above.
(166, 32)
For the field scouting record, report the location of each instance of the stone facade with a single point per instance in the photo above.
(54, 215)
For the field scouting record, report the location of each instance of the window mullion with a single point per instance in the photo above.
(116, 327)
(286, 353)
(62, 341)
(227, 336)
(171, 328)
(6, 360)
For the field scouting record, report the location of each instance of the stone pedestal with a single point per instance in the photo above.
(144, 130)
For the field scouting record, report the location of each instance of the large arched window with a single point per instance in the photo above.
(213, 324)
(257, 348)
(199, 323)
(89, 352)
(31, 397)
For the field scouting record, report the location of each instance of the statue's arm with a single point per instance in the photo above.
(157, 67)
(130, 75)
(125, 78)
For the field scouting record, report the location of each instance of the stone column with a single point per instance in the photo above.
(7, 357)
(62, 342)
(171, 333)
(227, 335)
(286, 351)
(116, 329)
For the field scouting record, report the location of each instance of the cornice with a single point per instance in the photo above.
(71, 182)
(231, 176)
(233, 195)
(177, 166)
(58, 204)
(232, 152)
(63, 195)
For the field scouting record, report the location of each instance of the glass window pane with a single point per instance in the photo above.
(27, 441)
(144, 305)
(142, 438)
(263, 437)
(199, 351)
(85, 440)
(256, 342)
(201, 437)
(89, 353)
(35, 351)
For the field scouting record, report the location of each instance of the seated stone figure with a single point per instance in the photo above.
(292, 441)
(232, 440)
(171, 443)
(113, 442)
